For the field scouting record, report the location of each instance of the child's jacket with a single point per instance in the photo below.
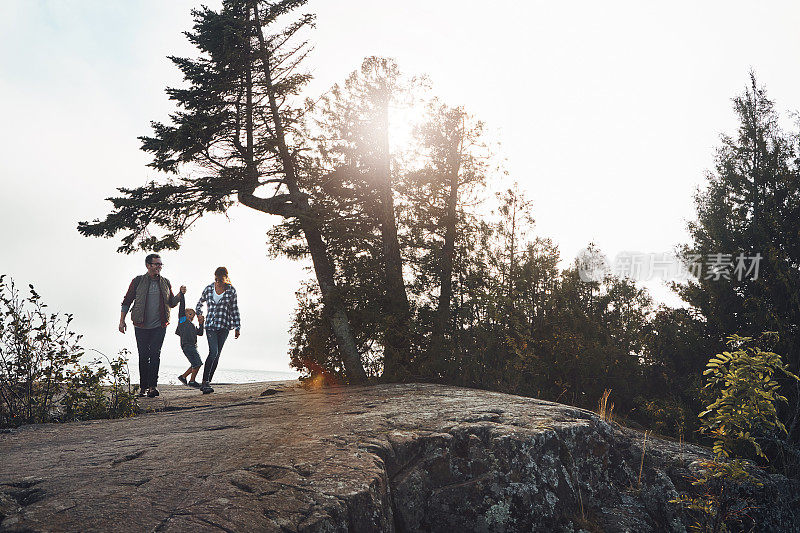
(187, 331)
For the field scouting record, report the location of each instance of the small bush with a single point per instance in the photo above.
(748, 394)
(667, 416)
(744, 411)
(99, 391)
(42, 378)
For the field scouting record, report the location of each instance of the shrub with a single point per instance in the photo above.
(743, 413)
(98, 391)
(42, 378)
(746, 408)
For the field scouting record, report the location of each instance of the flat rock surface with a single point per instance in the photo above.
(278, 457)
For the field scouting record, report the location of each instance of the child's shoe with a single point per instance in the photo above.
(183, 380)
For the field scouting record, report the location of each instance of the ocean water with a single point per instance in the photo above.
(168, 374)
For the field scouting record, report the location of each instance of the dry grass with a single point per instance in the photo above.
(605, 408)
(641, 465)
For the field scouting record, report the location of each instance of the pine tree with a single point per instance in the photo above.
(456, 156)
(750, 212)
(358, 176)
(235, 136)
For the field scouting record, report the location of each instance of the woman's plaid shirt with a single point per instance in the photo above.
(222, 315)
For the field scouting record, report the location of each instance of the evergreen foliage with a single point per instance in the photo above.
(236, 137)
(414, 279)
(751, 207)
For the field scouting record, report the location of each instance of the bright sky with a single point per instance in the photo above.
(609, 113)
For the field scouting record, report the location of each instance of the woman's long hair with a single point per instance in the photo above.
(222, 274)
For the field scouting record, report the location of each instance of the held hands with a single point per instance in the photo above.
(201, 319)
(183, 289)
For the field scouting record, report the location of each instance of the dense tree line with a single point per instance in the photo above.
(421, 272)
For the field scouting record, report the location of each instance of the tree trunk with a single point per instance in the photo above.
(439, 350)
(397, 346)
(323, 267)
(512, 257)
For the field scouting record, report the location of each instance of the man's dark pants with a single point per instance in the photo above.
(149, 342)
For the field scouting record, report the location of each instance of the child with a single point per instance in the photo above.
(188, 333)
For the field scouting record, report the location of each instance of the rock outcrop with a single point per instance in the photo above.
(376, 458)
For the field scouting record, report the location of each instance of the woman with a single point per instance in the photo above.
(223, 316)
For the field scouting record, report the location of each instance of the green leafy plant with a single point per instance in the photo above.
(744, 410)
(42, 378)
(719, 499)
(746, 406)
(99, 391)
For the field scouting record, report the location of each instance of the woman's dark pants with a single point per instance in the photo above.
(149, 342)
(216, 339)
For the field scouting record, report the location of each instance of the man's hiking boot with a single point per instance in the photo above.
(183, 380)
(205, 388)
(194, 384)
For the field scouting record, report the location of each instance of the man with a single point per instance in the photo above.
(151, 295)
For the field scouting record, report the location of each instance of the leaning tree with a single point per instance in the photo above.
(235, 138)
